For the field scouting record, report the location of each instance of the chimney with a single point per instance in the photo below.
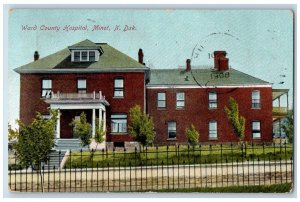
(36, 56)
(141, 56)
(188, 65)
(221, 62)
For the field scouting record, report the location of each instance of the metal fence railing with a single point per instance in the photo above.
(155, 168)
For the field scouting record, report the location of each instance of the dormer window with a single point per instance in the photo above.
(76, 56)
(85, 55)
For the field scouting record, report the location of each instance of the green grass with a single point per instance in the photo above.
(276, 188)
(185, 155)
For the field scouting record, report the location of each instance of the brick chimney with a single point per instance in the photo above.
(188, 65)
(221, 62)
(36, 56)
(141, 56)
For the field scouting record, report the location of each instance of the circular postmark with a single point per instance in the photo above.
(202, 56)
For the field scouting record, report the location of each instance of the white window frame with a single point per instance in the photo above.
(212, 133)
(255, 101)
(212, 100)
(171, 129)
(180, 101)
(81, 89)
(164, 101)
(118, 123)
(256, 132)
(47, 90)
(118, 89)
(80, 59)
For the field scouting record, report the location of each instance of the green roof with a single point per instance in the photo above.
(202, 77)
(60, 61)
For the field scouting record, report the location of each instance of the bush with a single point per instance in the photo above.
(192, 135)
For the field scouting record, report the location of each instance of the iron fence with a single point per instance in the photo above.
(155, 168)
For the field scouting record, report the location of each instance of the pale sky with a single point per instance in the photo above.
(258, 42)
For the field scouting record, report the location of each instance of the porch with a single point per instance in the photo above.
(280, 110)
(71, 105)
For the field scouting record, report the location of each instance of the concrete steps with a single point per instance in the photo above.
(69, 144)
(54, 160)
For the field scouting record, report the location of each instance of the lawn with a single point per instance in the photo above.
(204, 154)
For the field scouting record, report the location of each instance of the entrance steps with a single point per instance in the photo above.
(69, 144)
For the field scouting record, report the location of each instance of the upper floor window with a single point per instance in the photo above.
(81, 85)
(171, 129)
(119, 123)
(92, 56)
(119, 87)
(161, 100)
(46, 88)
(180, 100)
(76, 56)
(256, 99)
(212, 100)
(213, 130)
(256, 129)
(84, 56)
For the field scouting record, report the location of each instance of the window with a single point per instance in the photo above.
(213, 130)
(256, 99)
(119, 123)
(179, 100)
(171, 130)
(84, 55)
(212, 100)
(81, 86)
(119, 88)
(92, 56)
(161, 100)
(76, 56)
(256, 129)
(46, 88)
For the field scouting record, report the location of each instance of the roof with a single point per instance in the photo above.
(202, 77)
(110, 60)
(276, 93)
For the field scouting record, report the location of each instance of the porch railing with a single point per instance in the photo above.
(67, 96)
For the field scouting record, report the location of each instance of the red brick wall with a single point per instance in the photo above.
(134, 88)
(197, 112)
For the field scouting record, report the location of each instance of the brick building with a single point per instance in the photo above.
(105, 84)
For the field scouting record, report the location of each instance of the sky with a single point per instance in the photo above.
(258, 42)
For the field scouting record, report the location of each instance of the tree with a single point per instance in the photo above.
(35, 140)
(288, 126)
(99, 136)
(82, 129)
(237, 121)
(192, 134)
(141, 127)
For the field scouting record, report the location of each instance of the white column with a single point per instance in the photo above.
(104, 121)
(94, 123)
(100, 118)
(58, 125)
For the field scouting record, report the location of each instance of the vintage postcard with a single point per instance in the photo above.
(150, 100)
